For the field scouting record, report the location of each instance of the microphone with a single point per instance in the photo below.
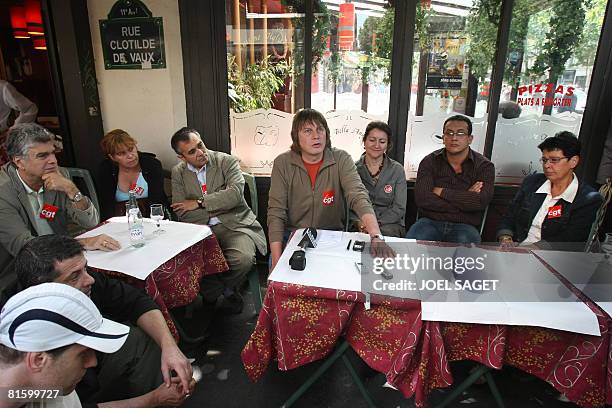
(298, 258)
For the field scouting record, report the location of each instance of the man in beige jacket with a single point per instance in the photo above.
(208, 189)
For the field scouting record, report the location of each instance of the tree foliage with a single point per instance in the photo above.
(566, 23)
(482, 26)
(587, 48)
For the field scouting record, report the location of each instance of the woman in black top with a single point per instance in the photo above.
(126, 168)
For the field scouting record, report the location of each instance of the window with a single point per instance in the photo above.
(548, 69)
(452, 66)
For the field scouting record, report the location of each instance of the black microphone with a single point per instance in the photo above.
(298, 258)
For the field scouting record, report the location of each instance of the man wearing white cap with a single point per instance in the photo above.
(48, 334)
(149, 357)
(48, 337)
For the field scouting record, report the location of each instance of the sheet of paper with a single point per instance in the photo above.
(591, 273)
(527, 294)
(140, 262)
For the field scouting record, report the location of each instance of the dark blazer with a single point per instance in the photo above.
(108, 175)
(569, 231)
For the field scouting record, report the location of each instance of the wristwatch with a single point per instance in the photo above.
(379, 236)
(200, 202)
(77, 197)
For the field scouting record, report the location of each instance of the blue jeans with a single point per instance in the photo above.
(426, 229)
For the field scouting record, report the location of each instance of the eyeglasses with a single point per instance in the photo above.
(553, 160)
(459, 133)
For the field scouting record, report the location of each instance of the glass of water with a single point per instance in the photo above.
(157, 214)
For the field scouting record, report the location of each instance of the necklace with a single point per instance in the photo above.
(375, 175)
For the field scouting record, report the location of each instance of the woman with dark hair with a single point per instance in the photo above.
(125, 169)
(552, 209)
(311, 185)
(385, 180)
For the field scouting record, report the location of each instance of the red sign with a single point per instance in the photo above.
(554, 212)
(328, 197)
(346, 27)
(388, 188)
(48, 212)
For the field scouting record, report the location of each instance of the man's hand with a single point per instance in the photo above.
(380, 249)
(476, 187)
(57, 182)
(172, 396)
(437, 191)
(100, 242)
(361, 227)
(173, 359)
(506, 241)
(183, 206)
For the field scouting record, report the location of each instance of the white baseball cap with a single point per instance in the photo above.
(51, 315)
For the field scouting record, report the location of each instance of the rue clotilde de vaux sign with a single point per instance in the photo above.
(132, 38)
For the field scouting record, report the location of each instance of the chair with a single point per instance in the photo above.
(606, 193)
(86, 177)
(483, 220)
(253, 276)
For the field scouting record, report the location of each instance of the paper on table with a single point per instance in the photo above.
(140, 262)
(330, 265)
(590, 273)
(527, 294)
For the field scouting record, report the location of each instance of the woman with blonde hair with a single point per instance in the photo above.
(125, 169)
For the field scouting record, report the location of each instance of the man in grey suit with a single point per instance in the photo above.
(208, 188)
(37, 197)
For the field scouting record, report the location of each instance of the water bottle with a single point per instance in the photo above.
(135, 222)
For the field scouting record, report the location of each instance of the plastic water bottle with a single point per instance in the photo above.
(135, 222)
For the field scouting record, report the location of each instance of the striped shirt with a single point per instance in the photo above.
(456, 203)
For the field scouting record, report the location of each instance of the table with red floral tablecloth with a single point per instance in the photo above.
(177, 281)
(301, 324)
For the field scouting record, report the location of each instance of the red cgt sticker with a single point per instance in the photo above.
(328, 197)
(138, 190)
(204, 190)
(48, 212)
(554, 212)
(388, 188)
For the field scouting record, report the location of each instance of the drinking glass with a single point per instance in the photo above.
(157, 214)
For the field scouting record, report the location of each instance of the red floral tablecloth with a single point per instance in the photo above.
(177, 281)
(300, 324)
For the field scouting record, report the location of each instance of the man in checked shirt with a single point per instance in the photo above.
(453, 187)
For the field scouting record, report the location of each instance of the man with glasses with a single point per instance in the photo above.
(552, 210)
(208, 189)
(453, 187)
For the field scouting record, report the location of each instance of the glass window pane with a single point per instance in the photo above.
(452, 63)
(265, 39)
(546, 79)
(265, 54)
(352, 47)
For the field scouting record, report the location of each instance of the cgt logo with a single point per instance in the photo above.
(554, 212)
(328, 197)
(48, 212)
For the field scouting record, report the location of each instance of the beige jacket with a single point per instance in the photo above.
(293, 203)
(225, 198)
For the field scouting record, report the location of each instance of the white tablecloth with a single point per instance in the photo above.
(140, 262)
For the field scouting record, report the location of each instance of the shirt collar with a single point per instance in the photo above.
(568, 195)
(27, 188)
(195, 170)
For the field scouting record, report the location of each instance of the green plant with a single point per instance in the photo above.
(253, 87)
